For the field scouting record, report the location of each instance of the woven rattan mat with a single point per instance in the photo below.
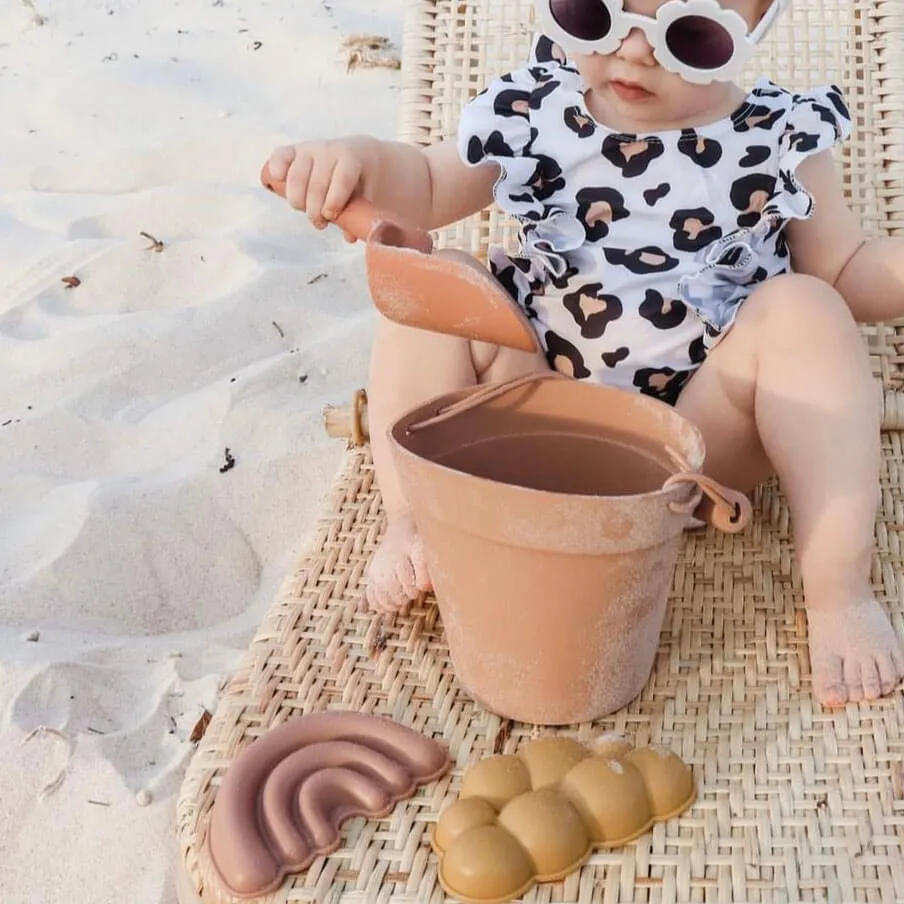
(795, 803)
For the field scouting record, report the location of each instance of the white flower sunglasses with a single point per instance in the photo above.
(696, 39)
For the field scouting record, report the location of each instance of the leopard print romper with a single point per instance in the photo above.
(637, 250)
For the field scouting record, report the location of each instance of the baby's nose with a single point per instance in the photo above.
(635, 47)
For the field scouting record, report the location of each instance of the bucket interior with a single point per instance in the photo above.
(556, 436)
(562, 463)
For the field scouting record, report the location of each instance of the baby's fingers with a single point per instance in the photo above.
(345, 179)
(297, 180)
(280, 161)
(318, 186)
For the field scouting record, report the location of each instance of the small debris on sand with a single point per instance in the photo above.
(230, 461)
(370, 52)
(156, 244)
(200, 727)
(502, 736)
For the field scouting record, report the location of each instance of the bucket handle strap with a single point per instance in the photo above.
(485, 393)
(715, 504)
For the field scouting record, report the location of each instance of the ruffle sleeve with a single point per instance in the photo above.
(734, 264)
(815, 122)
(496, 127)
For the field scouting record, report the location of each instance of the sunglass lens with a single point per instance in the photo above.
(699, 42)
(586, 20)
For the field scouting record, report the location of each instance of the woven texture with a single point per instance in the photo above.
(795, 803)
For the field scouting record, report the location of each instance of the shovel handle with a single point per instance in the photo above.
(360, 218)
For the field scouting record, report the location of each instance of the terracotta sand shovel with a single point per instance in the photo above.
(415, 287)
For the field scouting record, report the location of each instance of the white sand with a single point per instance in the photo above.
(143, 569)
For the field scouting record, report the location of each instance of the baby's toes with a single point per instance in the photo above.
(378, 595)
(390, 589)
(382, 589)
(406, 581)
(828, 681)
(391, 599)
(889, 671)
(897, 659)
(869, 677)
(853, 679)
(421, 572)
(371, 598)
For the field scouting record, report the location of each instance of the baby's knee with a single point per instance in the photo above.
(797, 305)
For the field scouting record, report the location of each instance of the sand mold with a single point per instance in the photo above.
(537, 815)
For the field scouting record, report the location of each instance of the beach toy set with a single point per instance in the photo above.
(519, 819)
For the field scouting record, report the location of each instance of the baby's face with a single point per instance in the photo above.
(631, 88)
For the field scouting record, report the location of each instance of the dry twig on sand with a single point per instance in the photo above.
(370, 52)
(200, 727)
(502, 736)
(156, 244)
(43, 731)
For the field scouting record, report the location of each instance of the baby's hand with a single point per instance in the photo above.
(320, 176)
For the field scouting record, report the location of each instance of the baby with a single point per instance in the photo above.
(662, 209)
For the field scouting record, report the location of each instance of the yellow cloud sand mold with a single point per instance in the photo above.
(537, 815)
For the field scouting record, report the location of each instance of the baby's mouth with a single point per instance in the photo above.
(629, 90)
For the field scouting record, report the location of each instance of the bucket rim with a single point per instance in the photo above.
(661, 492)
(438, 403)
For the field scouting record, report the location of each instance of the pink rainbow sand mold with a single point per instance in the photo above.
(285, 798)
(538, 815)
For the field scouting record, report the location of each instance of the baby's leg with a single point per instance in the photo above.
(790, 384)
(408, 367)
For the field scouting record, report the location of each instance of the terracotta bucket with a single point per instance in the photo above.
(551, 513)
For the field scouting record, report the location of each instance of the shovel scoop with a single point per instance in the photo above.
(414, 286)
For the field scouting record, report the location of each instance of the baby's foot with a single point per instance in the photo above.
(854, 653)
(398, 569)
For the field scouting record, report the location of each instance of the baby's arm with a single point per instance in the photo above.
(429, 187)
(867, 272)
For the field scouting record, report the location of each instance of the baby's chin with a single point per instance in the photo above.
(649, 112)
